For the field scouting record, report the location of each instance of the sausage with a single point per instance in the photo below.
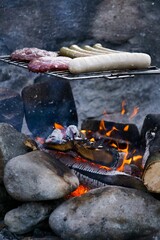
(79, 49)
(114, 61)
(99, 46)
(65, 51)
(97, 50)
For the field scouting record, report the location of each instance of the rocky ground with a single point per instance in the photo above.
(124, 25)
(46, 28)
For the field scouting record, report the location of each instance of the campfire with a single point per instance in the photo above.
(72, 175)
(104, 145)
(97, 152)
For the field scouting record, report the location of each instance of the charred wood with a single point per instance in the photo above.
(94, 175)
(131, 135)
(105, 156)
(151, 123)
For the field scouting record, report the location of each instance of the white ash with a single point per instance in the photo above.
(60, 136)
(56, 137)
(72, 132)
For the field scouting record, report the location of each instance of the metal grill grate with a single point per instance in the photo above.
(92, 75)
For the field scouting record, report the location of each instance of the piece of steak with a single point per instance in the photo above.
(44, 64)
(28, 54)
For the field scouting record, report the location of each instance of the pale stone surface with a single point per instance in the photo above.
(38, 176)
(24, 218)
(124, 25)
(111, 213)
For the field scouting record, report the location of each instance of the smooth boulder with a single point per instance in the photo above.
(25, 217)
(37, 176)
(11, 145)
(111, 213)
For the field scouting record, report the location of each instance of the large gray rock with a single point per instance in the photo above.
(102, 98)
(11, 108)
(11, 145)
(37, 176)
(130, 24)
(111, 213)
(24, 218)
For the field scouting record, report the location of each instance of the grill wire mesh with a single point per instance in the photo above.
(85, 76)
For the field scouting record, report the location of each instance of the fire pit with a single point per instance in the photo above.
(79, 153)
(101, 162)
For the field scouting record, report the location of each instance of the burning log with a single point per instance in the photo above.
(151, 159)
(95, 175)
(151, 123)
(70, 139)
(106, 156)
(117, 131)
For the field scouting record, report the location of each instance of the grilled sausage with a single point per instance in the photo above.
(65, 51)
(99, 46)
(114, 61)
(79, 49)
(98, 51)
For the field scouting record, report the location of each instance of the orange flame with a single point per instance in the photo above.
(134, 113)
(123, 110)
(108, 134)
(102, 125)
(125, 160)
(136, 158)
(105, 167)
(126, 128)
(58, 126)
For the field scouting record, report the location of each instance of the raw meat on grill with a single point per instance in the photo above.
(44, 64)
(28, 54)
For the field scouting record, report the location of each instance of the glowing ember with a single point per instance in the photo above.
(79, 191)
(40, 140)
(104, 136)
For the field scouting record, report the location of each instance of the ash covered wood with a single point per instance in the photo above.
(151, 159)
